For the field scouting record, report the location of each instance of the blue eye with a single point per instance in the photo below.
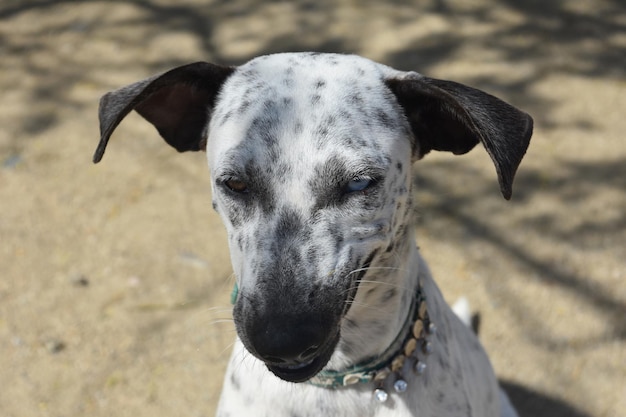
(358, 184)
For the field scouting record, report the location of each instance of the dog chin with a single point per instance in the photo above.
(302, 372)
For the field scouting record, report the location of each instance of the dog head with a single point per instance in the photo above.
(310, 157)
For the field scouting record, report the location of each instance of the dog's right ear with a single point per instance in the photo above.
(178, 103)
(448, 116)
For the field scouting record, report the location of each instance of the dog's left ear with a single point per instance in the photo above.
(448, 116)
(178, 103)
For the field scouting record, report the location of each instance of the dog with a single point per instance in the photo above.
(310, 157)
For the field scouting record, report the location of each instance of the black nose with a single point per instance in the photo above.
(287, 341)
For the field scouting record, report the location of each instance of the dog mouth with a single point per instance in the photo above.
(298, 372)
(303, 371)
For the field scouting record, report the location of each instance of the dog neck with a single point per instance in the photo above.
(380, 323)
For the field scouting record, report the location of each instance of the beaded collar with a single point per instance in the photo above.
(406, 353)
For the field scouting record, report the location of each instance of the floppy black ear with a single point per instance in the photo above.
(178, 103)
(448, 116)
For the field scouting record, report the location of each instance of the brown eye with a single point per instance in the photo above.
(236, 186)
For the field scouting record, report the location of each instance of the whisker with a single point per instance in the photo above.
(219, 309)
(228, 347)
(368, 306)
(388, 284)
(374, 268)
(218, 321)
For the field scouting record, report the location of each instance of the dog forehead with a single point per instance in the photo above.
(306, 82)
(304, 100)
(304, 65)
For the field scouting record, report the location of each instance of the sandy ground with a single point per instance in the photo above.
(114, 279)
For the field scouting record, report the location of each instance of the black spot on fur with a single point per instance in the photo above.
(356, 99)
(235, 382)
(264, 127)
(244, 106)
(235, 217)
(388, 295)
(344, 115)
(298, 127)
(385, 119)
(351, 324)
(226, 117)
(370, 292)
(321, 133)
(330, 121)
(320, 84)
(287, 101)
(361, 143)
(347, 142)
(315, 99)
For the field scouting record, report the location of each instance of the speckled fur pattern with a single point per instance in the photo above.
(310, 158)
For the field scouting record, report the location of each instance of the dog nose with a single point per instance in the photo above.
(288, 342)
